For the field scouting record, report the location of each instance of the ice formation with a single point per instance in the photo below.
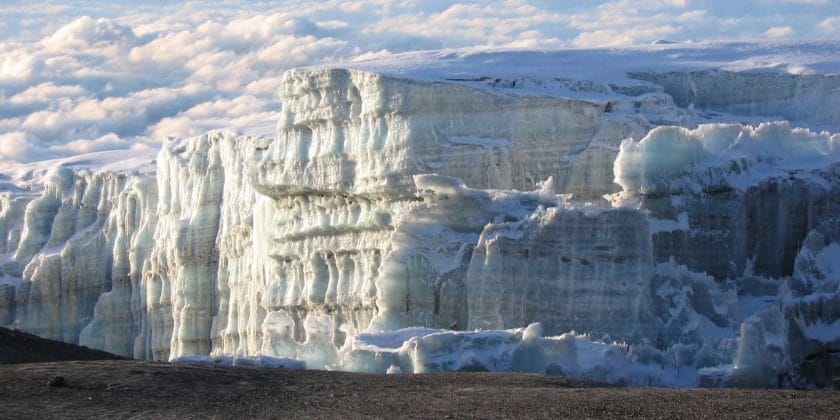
(649, 222)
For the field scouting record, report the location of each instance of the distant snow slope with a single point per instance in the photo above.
(780, 56)
(603, 66)
(112, 161)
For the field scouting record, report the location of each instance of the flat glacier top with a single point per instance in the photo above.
(604, 65)
(141, 161)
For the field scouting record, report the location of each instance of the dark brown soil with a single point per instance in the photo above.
(137, 389)
(160, 390)
(20, 347)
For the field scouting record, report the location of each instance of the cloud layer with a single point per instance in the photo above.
(79, 76)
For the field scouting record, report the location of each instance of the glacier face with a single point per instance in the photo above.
(388, 214)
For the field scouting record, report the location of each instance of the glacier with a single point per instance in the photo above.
(667, 215)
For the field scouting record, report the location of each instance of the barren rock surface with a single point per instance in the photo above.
(135, 389)
(20, 347)
(138, 389)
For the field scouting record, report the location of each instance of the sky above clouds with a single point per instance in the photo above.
(83, 76)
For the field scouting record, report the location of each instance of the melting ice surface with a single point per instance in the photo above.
(652, 216)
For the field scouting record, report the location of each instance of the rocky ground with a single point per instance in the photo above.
(20, 347)
(129, 388)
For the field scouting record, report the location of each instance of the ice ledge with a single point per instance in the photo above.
(715, 157)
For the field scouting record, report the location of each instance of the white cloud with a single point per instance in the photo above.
(830, 25)
(107, 142)
(602, 37)
(18, 65)
(779, 32)
(15, 146)
(87, 76)
(45, 92)
(86, 32)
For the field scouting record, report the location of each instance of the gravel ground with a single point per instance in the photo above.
(136, 389)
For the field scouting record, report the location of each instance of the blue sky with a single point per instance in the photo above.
(82, 76)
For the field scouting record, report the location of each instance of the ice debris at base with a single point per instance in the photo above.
(414, 213)
(261, 361)
(418, 350)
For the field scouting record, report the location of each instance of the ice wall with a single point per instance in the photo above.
(813, 313)
(359, 132)
(725, 195)
(68, 247)
(797, 94)
(570, 269)
(384, 204)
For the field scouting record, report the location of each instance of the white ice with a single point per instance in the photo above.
(408, 201)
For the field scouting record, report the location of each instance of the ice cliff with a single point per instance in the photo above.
(666, 216)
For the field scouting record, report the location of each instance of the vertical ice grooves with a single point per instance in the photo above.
(385, 203)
